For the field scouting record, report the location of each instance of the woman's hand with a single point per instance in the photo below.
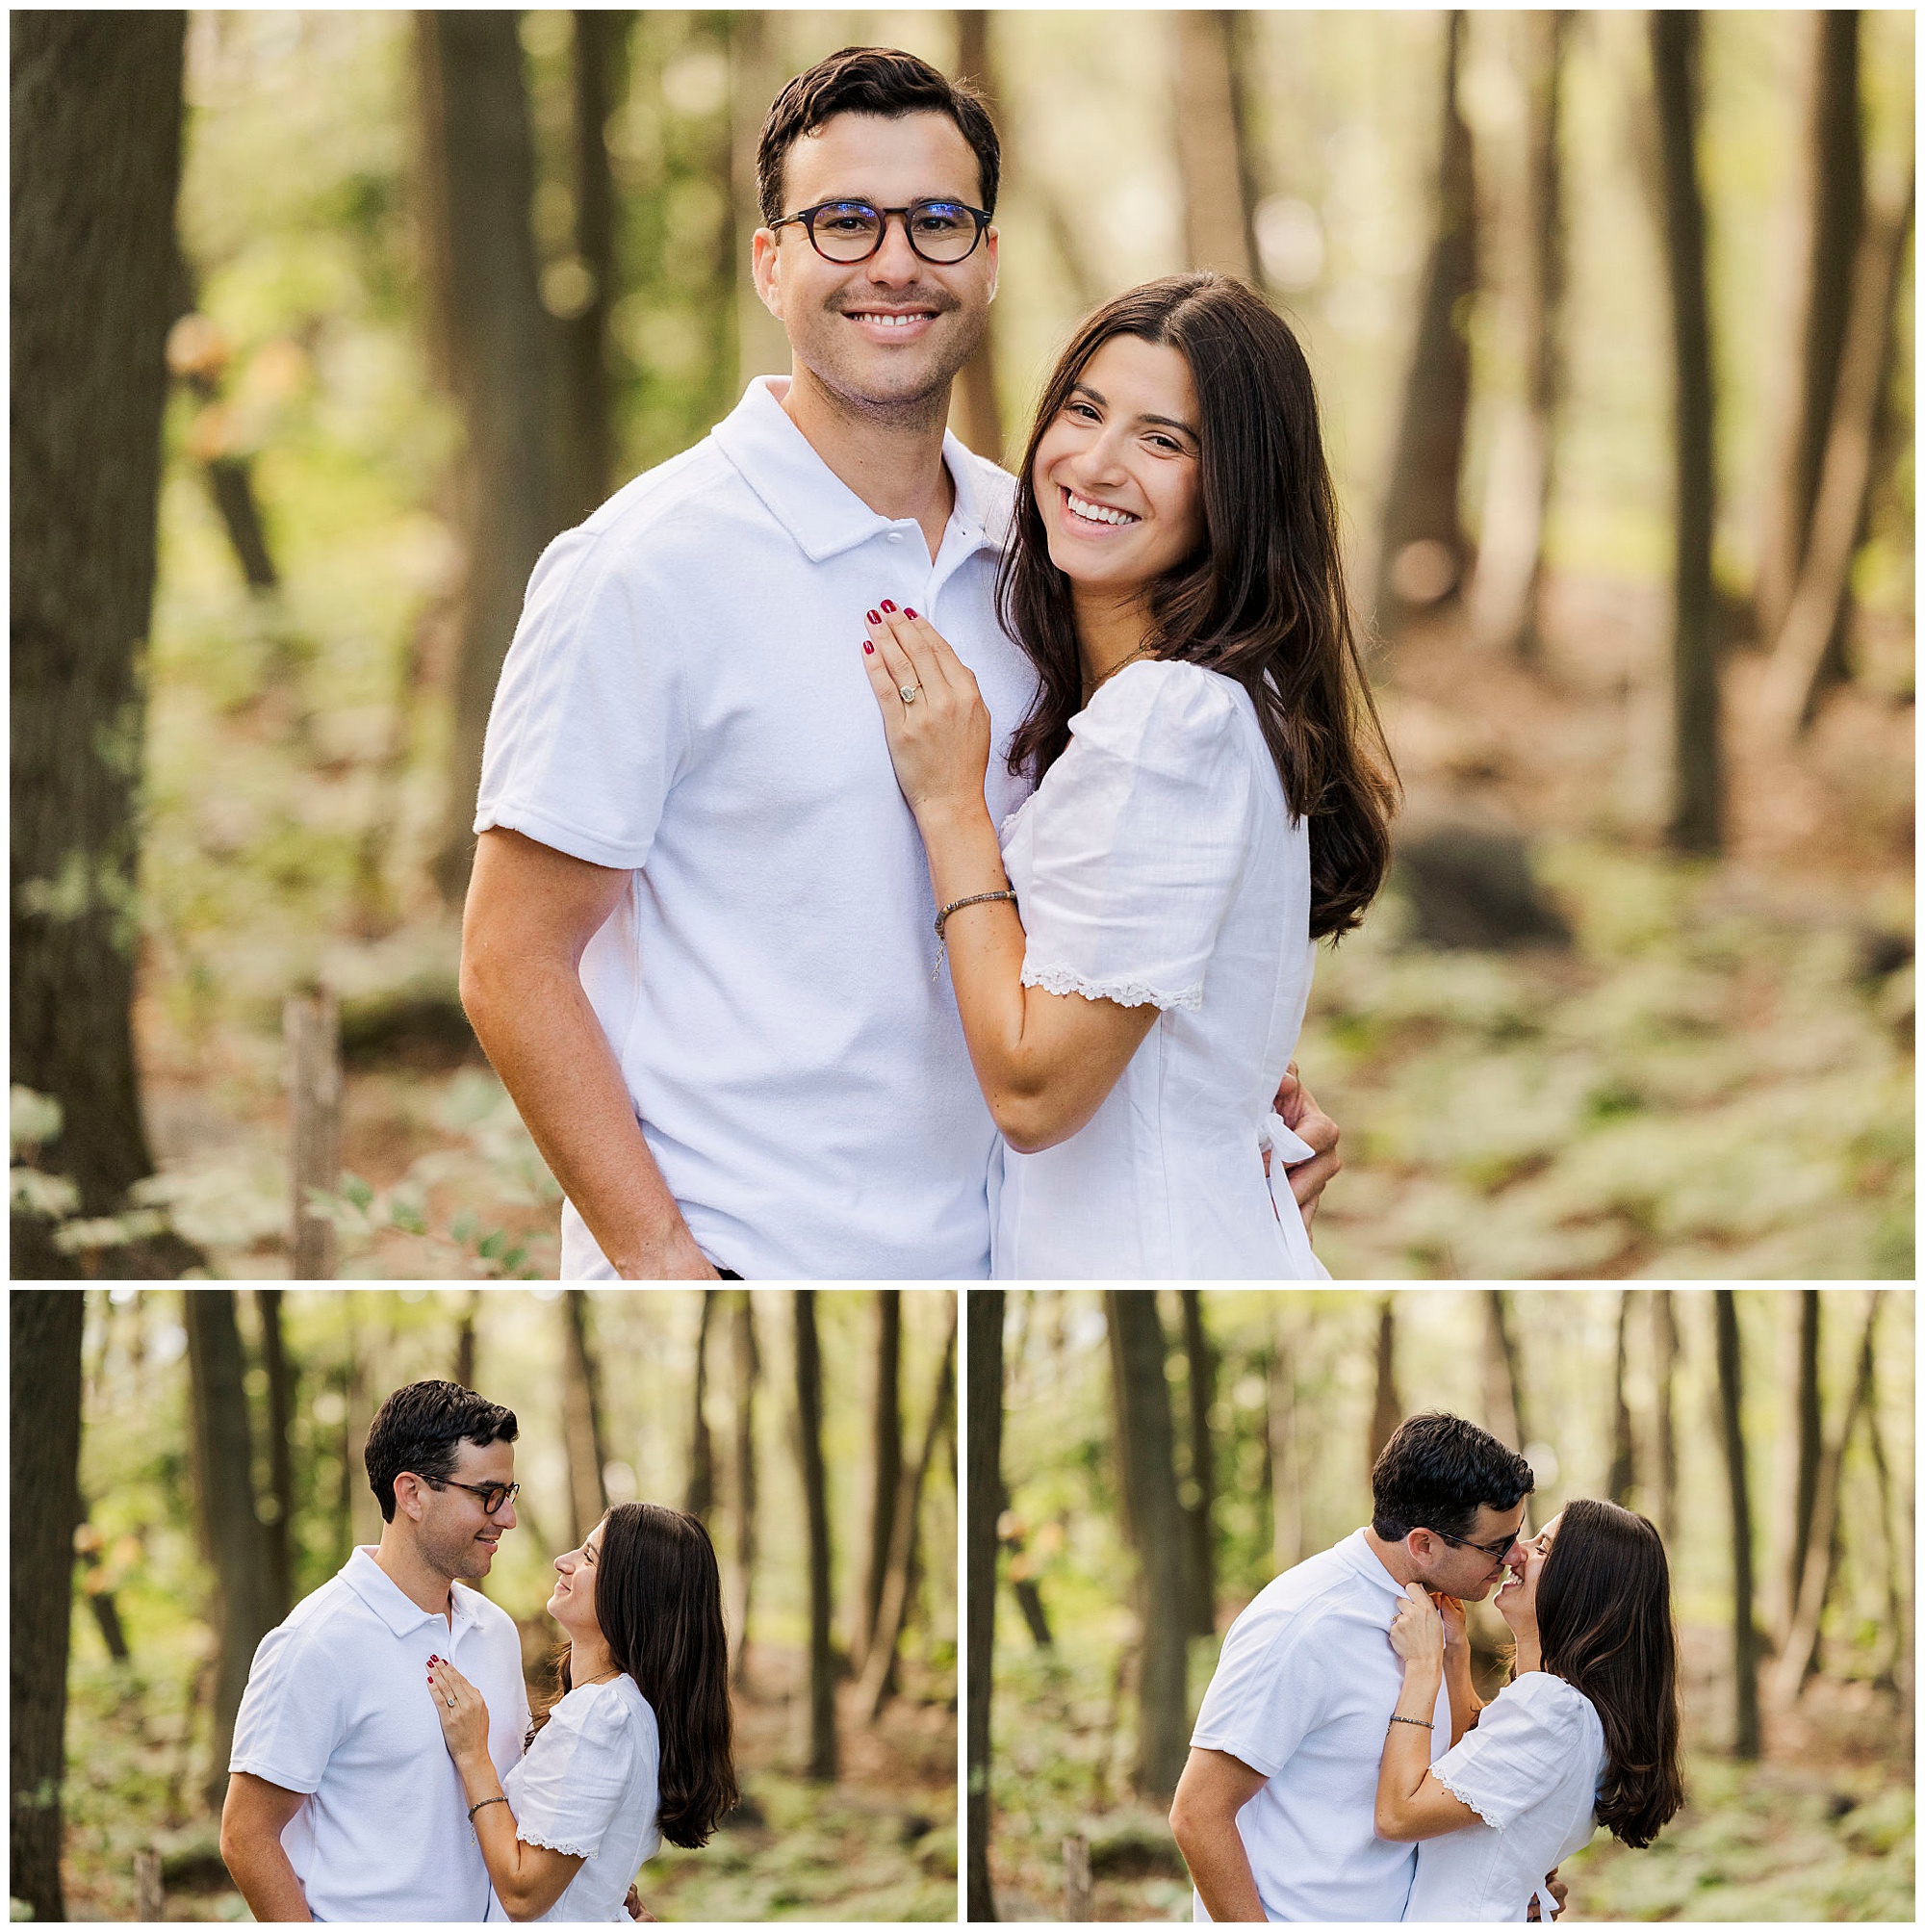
(1451, 1611)
(939, 737)
(462, 1710)
(1417, 1632)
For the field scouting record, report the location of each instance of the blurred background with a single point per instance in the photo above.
(1164, 1453)
(1610, 317)
(220, 1435)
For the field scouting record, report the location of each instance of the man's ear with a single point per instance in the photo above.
(765, 268)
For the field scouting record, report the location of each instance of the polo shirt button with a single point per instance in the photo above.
(896, 536)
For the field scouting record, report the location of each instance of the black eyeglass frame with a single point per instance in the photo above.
(807, 217)
(1496, 1552)
(505, 1493)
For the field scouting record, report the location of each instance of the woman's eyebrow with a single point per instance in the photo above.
(1102, 401)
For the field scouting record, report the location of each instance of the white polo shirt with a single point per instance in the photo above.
(1303, 1692)
(337, 1706)
(686, 697)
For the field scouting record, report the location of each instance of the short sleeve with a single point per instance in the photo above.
(292, 1713)
(571, 1784)
(1139, 835)
(1524, 1746)
(1268, 1694)
(585, 734)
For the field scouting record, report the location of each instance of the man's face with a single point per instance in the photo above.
(1456, 1569)
(888, 335)
(456, 1536)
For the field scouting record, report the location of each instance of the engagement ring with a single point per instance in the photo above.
(909, 693)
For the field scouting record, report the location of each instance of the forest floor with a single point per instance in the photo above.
(879, 1845)
(1821, 1828)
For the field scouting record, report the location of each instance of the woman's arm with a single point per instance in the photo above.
(528, 1878)
(1045, 1061)
(1411, 1804)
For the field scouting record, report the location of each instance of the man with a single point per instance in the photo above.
(342, 1799)
(1276, 1811)
(697, 944)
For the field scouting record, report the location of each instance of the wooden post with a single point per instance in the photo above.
(311, 1027)
(1076, 1879)
(148, 1898)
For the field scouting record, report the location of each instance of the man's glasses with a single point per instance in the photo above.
(1496, 1552)
(845, 232)
(491, 1494)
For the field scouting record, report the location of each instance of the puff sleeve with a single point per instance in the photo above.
(578, 1773)
(1140, 832)
(1523, 1747)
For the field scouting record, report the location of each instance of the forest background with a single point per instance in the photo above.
(216, 1436)
(1608, 314)
(1157, 1456)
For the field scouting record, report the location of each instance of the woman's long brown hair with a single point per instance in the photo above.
(1262, 600)
(659, 1600)
(1604, 1624)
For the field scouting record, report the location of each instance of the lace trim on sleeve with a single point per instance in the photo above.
(1483, 1809)
(560, 1843)
(1124, 991)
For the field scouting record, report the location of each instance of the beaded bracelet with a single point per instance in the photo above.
(482, 1804)
(955, 906)
(1422, 1724)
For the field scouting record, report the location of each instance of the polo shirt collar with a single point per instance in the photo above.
(386, 1598)
(1368, 1564)
(823, 514)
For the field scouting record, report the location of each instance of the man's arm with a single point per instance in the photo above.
(530, 914)
(251, 1821)
(1214, 1788)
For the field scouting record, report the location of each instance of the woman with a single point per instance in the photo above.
(1585, 1732)
(1131, 958)
(636, 1748)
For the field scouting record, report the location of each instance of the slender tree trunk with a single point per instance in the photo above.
(1504, 1372)
(497, 348)
(581, 1418)
(45, 1327)
(600, 35)
(822, 1760)
(1898, 1651)
(1809, 1450)
(748, 1369)
(1387, 1411)
(235, 1540)
(464, 1340)
(1145, 1454)
(885, 1466)
(982, 1492)
(1623, 1444)
(86, 1543)
(1022, 1585)
(977, 411)
(1286, 1475)
(1697, 808)
(1421, 542)
(701, 1499)
(878, 1684)
(756, 75)
(97, 140)
(279, 1528)
(1211, 151)
(1665, 1309)
(1746, 1741)
(1200, 1514)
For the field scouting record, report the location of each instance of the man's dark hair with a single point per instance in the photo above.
(421, 1428)
(1436, 1470)
(872, 80)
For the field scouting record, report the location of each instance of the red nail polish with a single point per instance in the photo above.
(909, 613)
(868, 649)
(874, 618)
(887, 605)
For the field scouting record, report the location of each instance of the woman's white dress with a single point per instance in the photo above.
(590, 1784)
(1530, 1770)
(1158, 863)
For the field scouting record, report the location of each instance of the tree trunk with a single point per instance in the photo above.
(893, 1612)
(581, 1418)
(279, 1528)
(983, 1493)
(1146, 1456)
(1510, 550)
(464, 1340)
(821, 1764)
(1421, 553)
(234, 1536)
(748, 1367)
(1697, 808)
(1898, 1651)
(1808, 1449)
(1503, 1373)
(588, 474)
(1731, 1408)
(701, 1444)
(43, 1501)
(1830, 224)
(1666, 1311)
(1022, 1585)
(1387, 1411)
(977, 411)
(1286, 1474)
(1623, 1444)
(756, 75)
(1200, 1514)
(96, 141)
(886, 1470)
(498, 359)
(1211, 151)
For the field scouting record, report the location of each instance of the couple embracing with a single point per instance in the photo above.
(1342, 1728)
(890, 867)
(385, 1766)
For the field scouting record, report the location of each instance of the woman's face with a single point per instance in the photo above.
(1517, 1600)
(1119, 476)
(572, 1604)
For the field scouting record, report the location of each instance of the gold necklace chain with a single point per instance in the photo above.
(1141, 650)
